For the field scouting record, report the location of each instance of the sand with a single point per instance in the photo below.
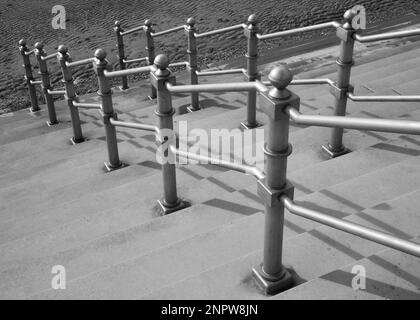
(90, 23)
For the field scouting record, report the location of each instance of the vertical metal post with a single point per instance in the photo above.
(28, 75)
(105, 92)
(192, 65)
(63, 58)
(271, 275)
(121, 54)
(46, 84)
(159, 77)
(335, 146)
(252, 71)
(150, 47)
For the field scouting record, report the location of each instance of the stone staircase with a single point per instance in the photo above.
(59, 207)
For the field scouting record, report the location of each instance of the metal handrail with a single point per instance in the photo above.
(133, 125)
(222, 30)
(387, 36)
(136, 60)
(252, 170)
(87, 105)
(133, 30)
(179, 64)
(80, 62)
(217, 87)
(382, 125)
(353, 97)
(127, 72)
(161, 33)
(352, 228)
(49, 57)
(38, 82)
(333, 24)
(219, 72)
(56, 92)
(306, 82)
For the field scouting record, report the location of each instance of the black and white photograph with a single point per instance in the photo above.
(210, 155)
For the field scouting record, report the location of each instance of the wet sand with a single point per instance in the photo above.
(90, 23)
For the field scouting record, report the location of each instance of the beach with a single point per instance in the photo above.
(90, 24)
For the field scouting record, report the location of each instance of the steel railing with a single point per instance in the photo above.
(277, 102)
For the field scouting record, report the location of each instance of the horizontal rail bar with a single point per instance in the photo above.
(353, 228)
(49, 57)
(225, 164)
(56, 92)
(161, 33)
(384, 98)
(28, 53)
(217, 87)
(135, 60)
(87, 105)
(219, 72)
(223, 30)
(387, 36)
(383, 125)
(178, 64)
(80, 62)
(36, 82)
(305, 82)
(127, 72)
(132, 30)
(332, 24)
(133, 125)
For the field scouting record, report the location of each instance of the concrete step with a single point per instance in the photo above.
(327, 249)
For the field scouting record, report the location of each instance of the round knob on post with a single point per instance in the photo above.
(162, 62)
(22, 42)
(280, 77)
(148, 23)
(191, 22)
(63, 49)
(39, 45)
(252, 19)
(100, 54)
(117, 23)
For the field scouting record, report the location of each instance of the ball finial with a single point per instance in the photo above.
(117, 23)
(39, 45)
(62, 49)
(100, 54)
(161, 61)
(148, 23)
(280, 77)
(252, 19)
(22, 42)
(191, 21)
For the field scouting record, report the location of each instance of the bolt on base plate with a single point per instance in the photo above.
(334, 153)
(110, 168)
(245, 125)
(74, 141)
(164, 209)
(191, 109)
(270, 287)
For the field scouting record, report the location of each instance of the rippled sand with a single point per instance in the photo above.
(90, 22)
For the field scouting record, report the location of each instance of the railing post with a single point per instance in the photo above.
(271, 275)
(192, 65)
(159, 77)
(28, 75)
(105, 92)
(252, 71)
(121, 54)
(70, 96)
(150, 47)
(335, 146)
(46, 84)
